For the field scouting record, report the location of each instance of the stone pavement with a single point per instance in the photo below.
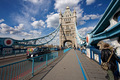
(68, 68)
(93, 69)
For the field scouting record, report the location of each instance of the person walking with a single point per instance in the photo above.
(112, 65)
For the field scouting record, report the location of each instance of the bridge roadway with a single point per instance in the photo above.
(73, 66)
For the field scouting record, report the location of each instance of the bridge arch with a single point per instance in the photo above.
(68, 42)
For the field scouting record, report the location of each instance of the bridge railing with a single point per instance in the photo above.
(65, 50)
(95, 54)
(84, 51)
(25, 69)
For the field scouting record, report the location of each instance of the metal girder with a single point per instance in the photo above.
(82, 38)
(41, 40)
(78, 41)
(108, 34)
(104, 21)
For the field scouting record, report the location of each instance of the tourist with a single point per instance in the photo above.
(112, 65)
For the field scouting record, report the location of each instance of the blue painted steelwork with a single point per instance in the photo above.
(112, 8)
(78, 41)
(65, 50)
(108, 34)
(85, 78)
(77, 34)
(33, 42)
(79, 37)
(22, 69)
(30, 42)
(32, 67)
(84, 51)
(95, 51)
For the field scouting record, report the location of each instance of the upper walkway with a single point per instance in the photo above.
(73, 66)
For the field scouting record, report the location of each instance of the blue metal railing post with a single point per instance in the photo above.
(93, 56)
(57, 54)
(90, 53)
(46, 59)
(33, 67)
(99, 58)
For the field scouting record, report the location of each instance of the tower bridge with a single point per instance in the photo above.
(68, 28)
(69, 64)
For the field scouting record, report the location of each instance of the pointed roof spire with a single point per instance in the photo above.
(74, 10)
(60, 12)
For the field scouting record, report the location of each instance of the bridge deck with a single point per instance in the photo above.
(69, 69)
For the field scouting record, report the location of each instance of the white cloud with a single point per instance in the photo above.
(38, 24)
(28, 12)
(35, 33)
(2, 20)
(5, 28)
(20, 27)
(91, 16)
(94, 16)
(62, 4)
(99, 4)
(86, 17)
(52, 20)
(25, 34)
(55, 41)
(81, 22)
(35, 1)
(85, 30)
(17, 30)
(89, 2)
(33, 19)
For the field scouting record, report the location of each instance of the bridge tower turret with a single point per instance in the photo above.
(67, 33)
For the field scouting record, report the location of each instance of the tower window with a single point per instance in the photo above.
(71, 27)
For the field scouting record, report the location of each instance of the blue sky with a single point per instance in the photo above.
(34, 18)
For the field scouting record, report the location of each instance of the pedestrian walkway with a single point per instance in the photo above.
(74, 66)
(92, 69)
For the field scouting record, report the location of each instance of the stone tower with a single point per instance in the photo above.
(68, 28)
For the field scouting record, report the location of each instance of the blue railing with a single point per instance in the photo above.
(26, 68)
(65, 50)
(84, 51)
(95, 54)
